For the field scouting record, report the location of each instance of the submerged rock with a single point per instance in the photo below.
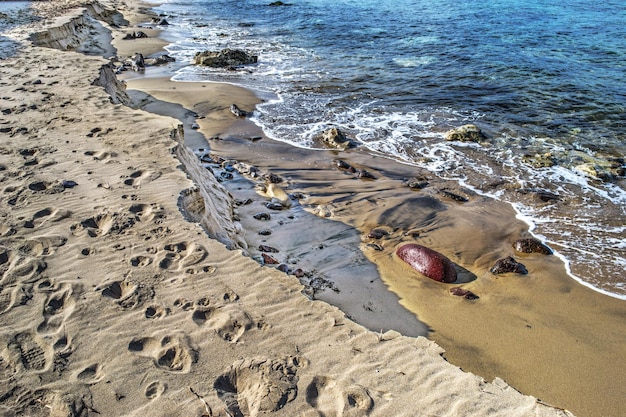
(377, 234)
(531, 245)
(508, 264)
(428, 262)
(465, 133)
(224, 58)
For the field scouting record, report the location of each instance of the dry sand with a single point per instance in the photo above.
(114, 302)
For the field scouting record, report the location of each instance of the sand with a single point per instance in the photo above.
(129, 284)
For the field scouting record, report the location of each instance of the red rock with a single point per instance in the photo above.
(268, 260)
(461, 292)
(428, 262)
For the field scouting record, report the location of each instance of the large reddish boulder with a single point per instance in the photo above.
(428, 262)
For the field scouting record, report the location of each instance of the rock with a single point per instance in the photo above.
(238, 112)
(269, 260)
(544, 160)
(269, 249)
(163, 22)
(278, 195)
(195, 126)
(377, 234)
(335, 138)
(274, 206)
(69, 184)
(454, 196)
(417, 183)
(531, 245)
(262, 216)
(343, 165)
(273, 178)
(283, 268)
(508, 264)
(224, 58)
(460, 292)
(138, 62)
(465, 133)
(135, 35)
(428, 262)
(265, 232)
(160, 60)
(363, 174)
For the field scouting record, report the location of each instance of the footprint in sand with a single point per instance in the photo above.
(332, 399)
(171, 353)
(181, 255)
(127, 293)
(91, 374)
(155, 390)
(57, 309)
(42, 246)
(138, 177)
(147, 212)
(21, 269)
(31, 352)
(102, 156)
(103, 224)
(229, 322)
(48, 214)
(255, 386)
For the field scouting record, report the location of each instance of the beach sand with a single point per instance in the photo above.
(129, 284)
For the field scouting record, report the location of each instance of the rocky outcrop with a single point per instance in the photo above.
(113, 86)
(335, 138)
(208, 203)
(465, 133)
(224, 58)
(428, 262)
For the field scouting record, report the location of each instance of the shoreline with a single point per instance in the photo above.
(173, 323)
(466, 349)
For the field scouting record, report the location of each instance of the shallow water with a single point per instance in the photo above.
(12, 14)
(538, 77)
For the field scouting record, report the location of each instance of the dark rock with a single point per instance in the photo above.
(460, 292)
(137, 62)
(343, 165)
(274, 206)
(269, 260)
(273, 178)
(299, 273)
(277, 3)
(262, 216)
(69, 184)
(135, 35)
(428, 262)
(283, 268)
(238, 112)
(226, 175)
(465, 133)
(160, 60)
(269, 249)
(195, 126)
(508, 264)
(377, 234)
(363, 174)
(532, 245)
(224, 58)
(417, 183)
(163, 22)
(454, 196)
(265, 232)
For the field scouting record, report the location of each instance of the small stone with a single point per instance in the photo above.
(263, 216)
(265, 232)
(460, 292)
(264, 248)
(269, 260)
(428, 262)
(377, 234)
(69, 184)
(274, 206)
(465, 133)
(508, 264)
(531, 245)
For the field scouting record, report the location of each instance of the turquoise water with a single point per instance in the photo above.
(539, 77)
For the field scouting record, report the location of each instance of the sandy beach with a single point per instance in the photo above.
(132, 280)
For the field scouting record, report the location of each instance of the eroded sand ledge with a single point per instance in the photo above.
(113, 304)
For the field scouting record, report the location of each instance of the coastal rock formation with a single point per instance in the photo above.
(224, 58)
(508, 264)
(428, 262)
(465, 133)
(531, 245)
(335, 138)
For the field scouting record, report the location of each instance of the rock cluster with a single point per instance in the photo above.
(225, 58)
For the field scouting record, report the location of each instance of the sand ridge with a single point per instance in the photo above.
(112, 303)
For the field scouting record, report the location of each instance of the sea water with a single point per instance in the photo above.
(12, 14)
(544, 79)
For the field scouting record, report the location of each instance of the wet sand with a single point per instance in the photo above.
(544, 333)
